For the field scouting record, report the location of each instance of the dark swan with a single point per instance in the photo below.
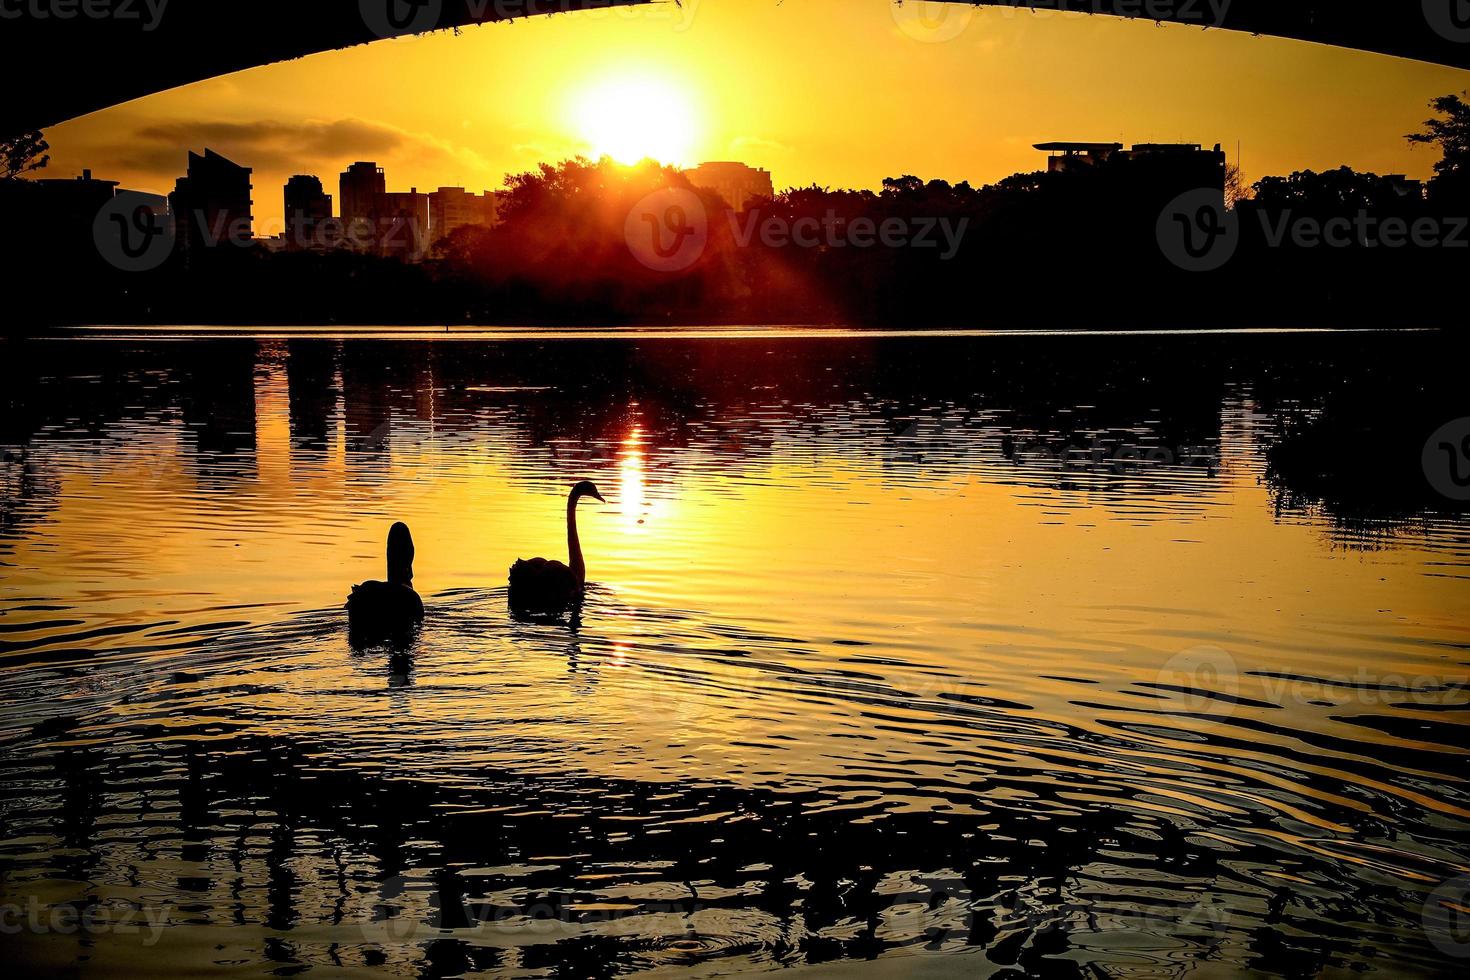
(379, 609)
(538, 585)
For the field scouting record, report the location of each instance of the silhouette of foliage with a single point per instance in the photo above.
(1452, 135)
(560, 249)
(23, 154)
(1236, 189)
(1331, 191)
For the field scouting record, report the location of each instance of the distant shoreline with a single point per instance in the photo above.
(744, 332)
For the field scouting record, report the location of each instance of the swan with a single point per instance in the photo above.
(391, 607)
(538, 585)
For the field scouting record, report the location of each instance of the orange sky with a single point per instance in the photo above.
(840, 92)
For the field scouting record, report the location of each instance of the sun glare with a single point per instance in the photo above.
(632, 117)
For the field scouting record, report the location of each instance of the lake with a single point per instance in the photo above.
(931, 655)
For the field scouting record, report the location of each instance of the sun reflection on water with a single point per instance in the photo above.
(631, 499)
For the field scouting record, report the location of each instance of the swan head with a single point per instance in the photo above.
(586, 488)
(400, 554)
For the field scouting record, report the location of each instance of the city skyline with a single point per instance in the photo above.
(463, 110)
(216, 197)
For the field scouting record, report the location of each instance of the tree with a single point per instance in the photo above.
(22, 154)
(1025, 183)
(1337, 191)
(1236, 188)
(907, 184)
(1452, 135)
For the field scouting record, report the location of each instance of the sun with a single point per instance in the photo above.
(631, 117)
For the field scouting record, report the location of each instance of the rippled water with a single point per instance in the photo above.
(961, 655)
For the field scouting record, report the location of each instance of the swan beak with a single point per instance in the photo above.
(599, 497)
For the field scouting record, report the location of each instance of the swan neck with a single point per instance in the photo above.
(574, 546)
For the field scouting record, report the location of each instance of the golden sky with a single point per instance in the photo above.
(838, 92)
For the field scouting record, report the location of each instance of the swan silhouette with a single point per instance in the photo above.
(539, 585)
(386, 608)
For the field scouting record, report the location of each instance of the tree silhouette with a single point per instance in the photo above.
(22, 154)
(1236, 188)
(1452, 135)
(1330, 192)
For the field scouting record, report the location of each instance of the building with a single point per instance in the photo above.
(52, 217)
(308, 212)
(77, 199)
(1174, 168)
(736, 183)
(211, 204)
(402, 223)
(452, 208)
(360, 187)
(1153, 169)
(1109, 186)
(1069, 157)
(379, 221)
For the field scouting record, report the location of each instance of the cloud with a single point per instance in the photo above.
(268, 145)
(534, 153)
(149, 153)
(153, 152)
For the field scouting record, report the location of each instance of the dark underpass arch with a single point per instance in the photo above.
(78, 56)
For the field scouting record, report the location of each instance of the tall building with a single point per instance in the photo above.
(211, 203)
(402, 220)
(736, 183)
(452, 208)
(1157, 168)
(360, 187)
(308, 211)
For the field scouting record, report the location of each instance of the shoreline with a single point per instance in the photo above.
(747, 332)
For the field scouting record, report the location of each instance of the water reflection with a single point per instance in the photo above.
(1030, 655)
(313, 384)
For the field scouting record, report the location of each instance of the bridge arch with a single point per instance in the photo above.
(80, 62)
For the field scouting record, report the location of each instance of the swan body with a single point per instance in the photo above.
(546, 586)
(383, 607)
(543, 585)
(379, 609)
